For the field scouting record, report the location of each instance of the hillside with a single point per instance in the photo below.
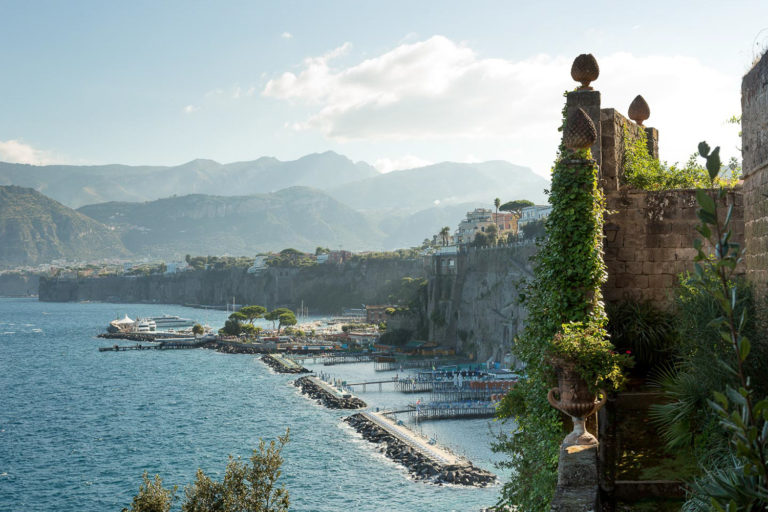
(443, 184)
(35, 229)
(79, 185)
(298, 217)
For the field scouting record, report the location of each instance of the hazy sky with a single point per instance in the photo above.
(396, 84)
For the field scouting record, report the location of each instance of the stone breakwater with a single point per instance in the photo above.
(279, 367)
(310, 388)
(420, 466)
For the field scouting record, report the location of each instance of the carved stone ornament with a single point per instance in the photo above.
(575, 400)
(580, 131)
(585, 70)
(639, 110)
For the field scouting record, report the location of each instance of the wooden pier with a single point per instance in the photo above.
(453, 410)
(364, 385)
(175, 344)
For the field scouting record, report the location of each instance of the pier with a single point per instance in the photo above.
(352, 385)
(423, 457)
(176, 344)
(283, 364)
(328, 395)
(453, 410)
(330, 359)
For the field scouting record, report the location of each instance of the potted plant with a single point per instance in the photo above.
(586, 364)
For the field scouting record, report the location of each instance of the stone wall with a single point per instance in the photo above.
(754, 125)
(649, 241)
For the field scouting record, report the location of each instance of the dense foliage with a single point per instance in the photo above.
(730, 431)
(568, 273)
(245, 487)
(644, 172)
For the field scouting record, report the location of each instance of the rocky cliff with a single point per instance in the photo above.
(324, 289)
(473, 300)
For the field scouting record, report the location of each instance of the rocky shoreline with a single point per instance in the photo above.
(279, 367)
(420, 467)
(312, 390)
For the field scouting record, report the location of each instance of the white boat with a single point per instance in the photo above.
(166, 322)
(121, 324)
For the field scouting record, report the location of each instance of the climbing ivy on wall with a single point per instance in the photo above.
(644, 172)
(568, 273)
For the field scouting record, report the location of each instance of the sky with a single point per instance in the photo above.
(397, 84)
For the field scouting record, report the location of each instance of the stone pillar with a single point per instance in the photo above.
(754, 146)
(590, 102)
(577, 489)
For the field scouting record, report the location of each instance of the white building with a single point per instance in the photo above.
(259, 264)
(532, 213)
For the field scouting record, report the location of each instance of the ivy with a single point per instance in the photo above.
(568, 274)
(644, 172)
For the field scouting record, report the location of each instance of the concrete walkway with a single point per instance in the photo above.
(414, 440)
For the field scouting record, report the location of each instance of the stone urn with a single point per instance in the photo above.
(572, 396)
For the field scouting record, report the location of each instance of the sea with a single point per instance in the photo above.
(78, 427)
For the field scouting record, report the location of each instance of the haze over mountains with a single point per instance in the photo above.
(204, 207)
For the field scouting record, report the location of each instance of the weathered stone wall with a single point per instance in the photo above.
(476, 308)
(324, 289)
(649, 241)
(754, 125)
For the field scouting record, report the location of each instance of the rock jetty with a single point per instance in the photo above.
(313, 389)
(279, 365)
(419, 465)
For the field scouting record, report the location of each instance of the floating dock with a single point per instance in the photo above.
(453, 410)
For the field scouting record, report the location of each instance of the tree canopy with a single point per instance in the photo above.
(515, 206)
(253, 312)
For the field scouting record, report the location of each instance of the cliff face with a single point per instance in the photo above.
(473, 302)
(18, 285)
(324, 289)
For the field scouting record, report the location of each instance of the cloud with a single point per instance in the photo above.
(386, 165)
(286, 35)
(15, 151)
(189, 109)
(438, 89)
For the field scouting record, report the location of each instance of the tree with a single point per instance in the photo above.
(253, 312)
(481, 240)
(245, 488)
(534, 229)
(197, 329)
(231, 327)
(321, 250)
(445, 234)
(152, 496)
(497, 203)
(516, 206)
(250, 329)
(274, 315)
(491, 233)
(286, 319)
(238, 316)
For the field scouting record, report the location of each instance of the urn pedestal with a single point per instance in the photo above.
(572, 397)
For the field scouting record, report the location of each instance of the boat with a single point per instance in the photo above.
(121, 325)
(167, 322)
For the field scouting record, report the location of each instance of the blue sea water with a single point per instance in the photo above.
(79, 427)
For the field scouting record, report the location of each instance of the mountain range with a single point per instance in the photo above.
(36, 229)
(204, 207)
